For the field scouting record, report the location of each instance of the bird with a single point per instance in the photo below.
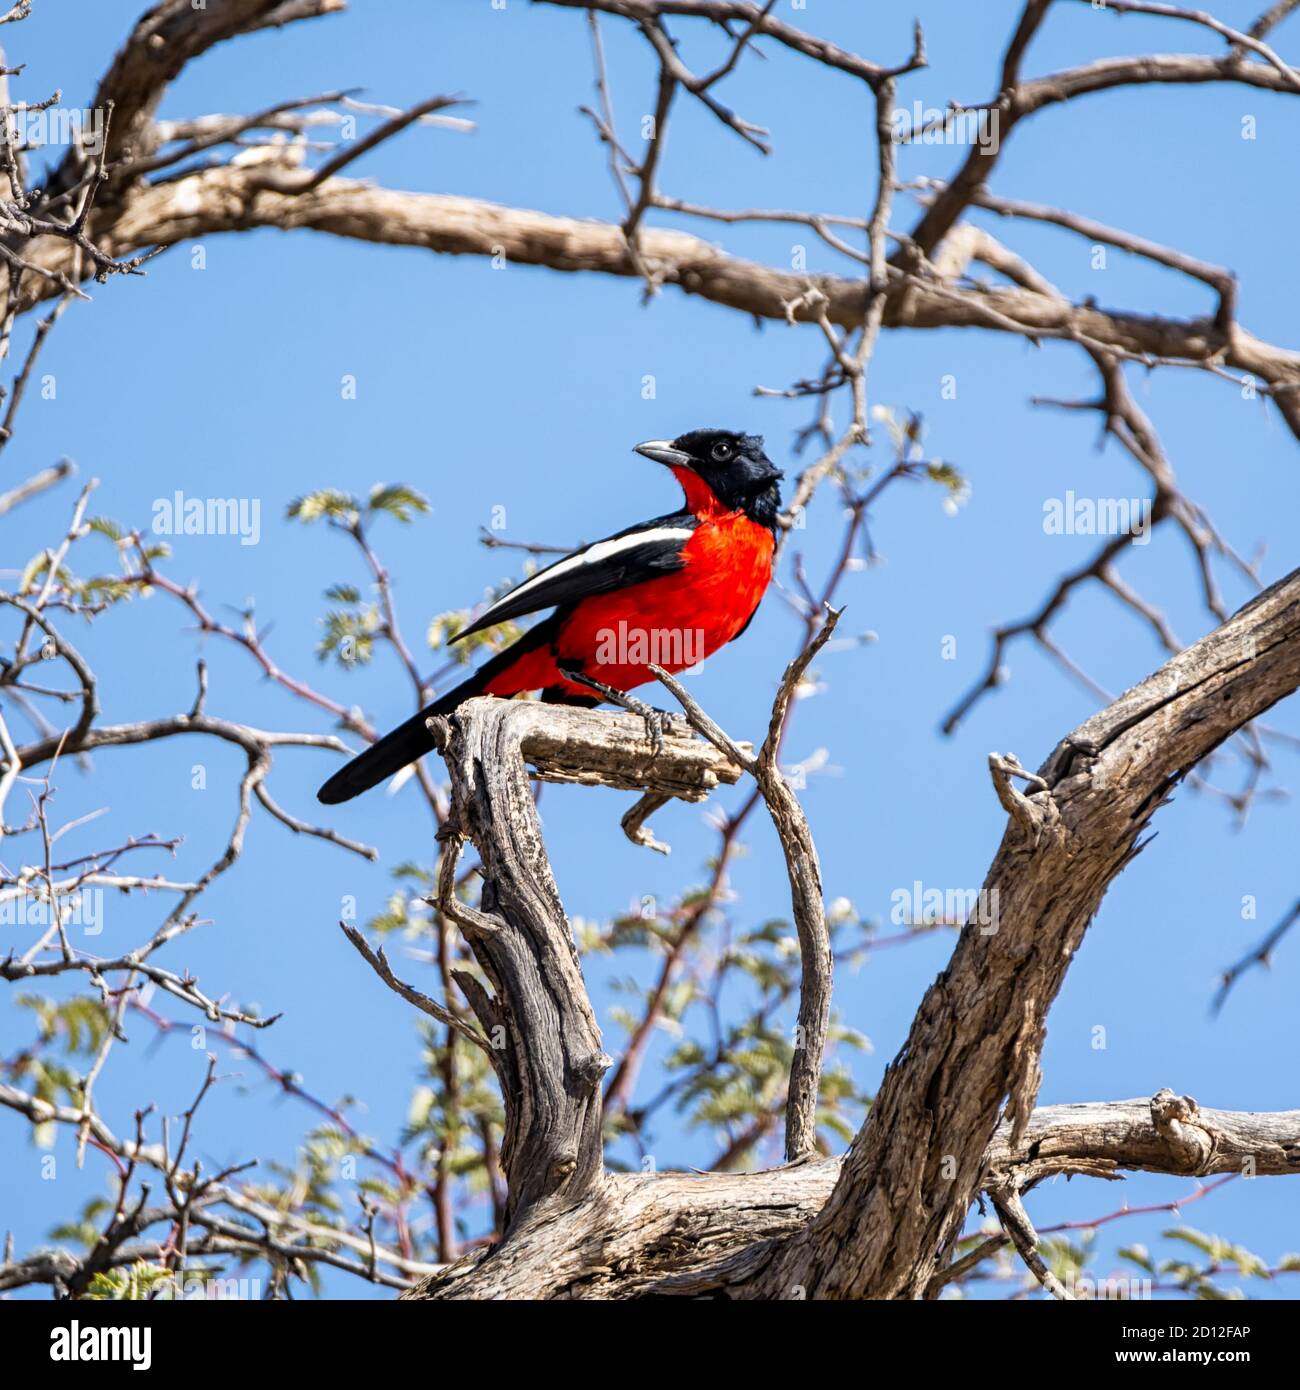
(669, 591)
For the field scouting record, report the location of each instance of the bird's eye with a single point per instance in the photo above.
(721, 452)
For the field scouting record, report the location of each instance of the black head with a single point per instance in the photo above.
(732, 466)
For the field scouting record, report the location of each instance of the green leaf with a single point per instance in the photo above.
(105, 526)
(134, 1285)
(1138, 1255)
(397, 500)
(328, 502)
(1216, 1249)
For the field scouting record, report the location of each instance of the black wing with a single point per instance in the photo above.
(630, 557)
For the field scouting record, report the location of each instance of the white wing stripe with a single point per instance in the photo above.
(602, 550)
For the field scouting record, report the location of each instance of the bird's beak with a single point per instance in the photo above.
(662, 451)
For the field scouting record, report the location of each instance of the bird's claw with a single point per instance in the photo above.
(657, 724)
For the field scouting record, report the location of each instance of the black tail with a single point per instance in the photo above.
(411, 740)
(382, 759)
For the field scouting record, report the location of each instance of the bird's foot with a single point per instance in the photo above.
(658, 722)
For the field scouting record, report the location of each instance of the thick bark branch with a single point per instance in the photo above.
(543, 1036)
(543, 1039)
(642, 1235)
(691, 1234)
(245, 197)
(915, 1166)
(566, 744)
(1100, 1138)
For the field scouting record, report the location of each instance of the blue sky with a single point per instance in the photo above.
(522, 388)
